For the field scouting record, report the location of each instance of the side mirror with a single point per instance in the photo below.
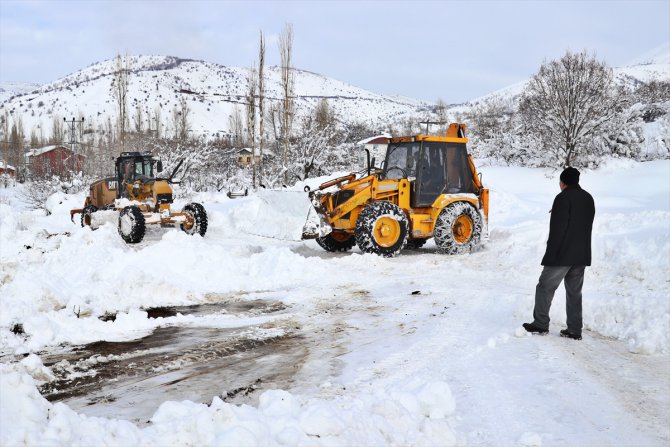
(159, 166)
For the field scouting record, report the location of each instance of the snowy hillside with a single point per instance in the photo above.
(654, 65)
(212, 92)
(249, 337)
(10, 89)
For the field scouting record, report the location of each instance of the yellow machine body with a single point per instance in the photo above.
(340, 209)
(134, 184)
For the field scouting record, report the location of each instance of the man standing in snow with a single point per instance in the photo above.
(568, 253)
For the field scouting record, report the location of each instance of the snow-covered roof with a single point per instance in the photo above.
(377, 139)
(245, 150)
(44, 150)
(4, 165)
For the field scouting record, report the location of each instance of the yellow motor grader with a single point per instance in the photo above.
(140, 198)
(427, 187)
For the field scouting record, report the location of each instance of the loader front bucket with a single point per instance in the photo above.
(276, 214)
(316, 225)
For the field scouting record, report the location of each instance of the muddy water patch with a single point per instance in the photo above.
(129, 380)
(225, 306)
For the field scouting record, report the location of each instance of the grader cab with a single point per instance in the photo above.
(140, 199)
(427, 187)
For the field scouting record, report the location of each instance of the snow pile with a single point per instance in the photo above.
(417, 415)
(270, 213)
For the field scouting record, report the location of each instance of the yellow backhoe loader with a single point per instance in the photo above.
(140, 199)
(427, 187)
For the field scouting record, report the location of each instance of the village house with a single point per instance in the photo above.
(244, 156)
(7, 170)
(53, 160)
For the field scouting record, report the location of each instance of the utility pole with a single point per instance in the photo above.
(73, 138)
(73, 133)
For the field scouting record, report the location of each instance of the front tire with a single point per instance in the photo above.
(132, 225)
(458, 229)
(86, 215)
(336, 241)
(198, 222)
(382, 228)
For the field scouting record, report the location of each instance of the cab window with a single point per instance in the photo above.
(459, 177)
(402, 160)
(144, 167)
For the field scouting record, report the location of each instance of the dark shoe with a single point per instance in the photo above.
(530, 327)
(572, 335)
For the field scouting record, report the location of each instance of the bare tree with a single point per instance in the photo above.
(311, 148)
(567, 101)
(236, 126)
(157, 122)
(57, 131)
(261, 104)
(181, 120)
(287, 84)
(16, 142)
(120, 89)
(654, 91)
(251, 119)
(441, 114)
(34, 138)
(323, 115)
(139, 120)
(4, 135)
(491, 118)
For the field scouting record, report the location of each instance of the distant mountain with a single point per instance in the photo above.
(658, 55)
(653, 65)
(10, 89)
(212, 92)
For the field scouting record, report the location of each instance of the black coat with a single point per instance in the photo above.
(570, 228)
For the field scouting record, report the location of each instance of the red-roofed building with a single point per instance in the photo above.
(6, 169)
(53, 160)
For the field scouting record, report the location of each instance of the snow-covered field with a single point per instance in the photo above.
(421, 349)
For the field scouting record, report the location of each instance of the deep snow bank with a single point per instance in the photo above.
(408, 414)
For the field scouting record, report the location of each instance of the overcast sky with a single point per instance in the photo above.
(454, 50)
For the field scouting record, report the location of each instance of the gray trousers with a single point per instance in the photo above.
(550, 278)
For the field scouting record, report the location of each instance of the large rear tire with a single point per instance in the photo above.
(382, 228)
(458, 228)
(198, 224)
(336, 241)
(132, 225)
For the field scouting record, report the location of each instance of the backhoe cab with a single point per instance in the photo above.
(428, 187)
(140, 198)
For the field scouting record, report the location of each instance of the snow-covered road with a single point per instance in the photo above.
(421, 349)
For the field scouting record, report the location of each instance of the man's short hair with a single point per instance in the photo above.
(570, 176)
